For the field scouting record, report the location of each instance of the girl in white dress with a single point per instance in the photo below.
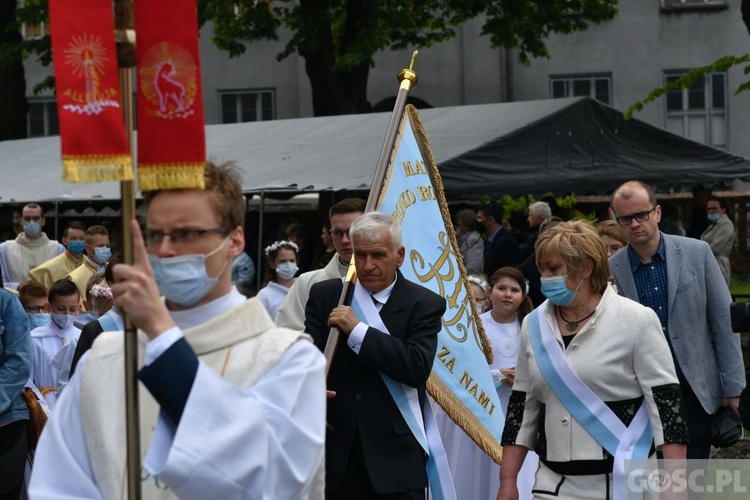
(502, 324)
(282, 266)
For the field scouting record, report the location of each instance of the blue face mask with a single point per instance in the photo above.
(555, 289)
(37, 320)
(714, 217)
(76, 246)
(183, 280)
(32, 229)
(102, 254)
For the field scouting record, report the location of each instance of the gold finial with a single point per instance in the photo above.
(408, 77)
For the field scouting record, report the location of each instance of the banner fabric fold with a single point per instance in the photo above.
(171, 131)
(460, 381)
(92, 127)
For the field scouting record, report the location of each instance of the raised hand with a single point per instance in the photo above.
(136, 293)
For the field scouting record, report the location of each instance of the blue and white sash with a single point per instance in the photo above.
(109, 322)
(623, 443)
(421, 422)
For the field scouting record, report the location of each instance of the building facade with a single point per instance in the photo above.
(618, 62)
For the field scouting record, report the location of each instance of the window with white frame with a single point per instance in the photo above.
(237, 106)
(699, 112)
(32, 31)
(42, 117)
(598, 87)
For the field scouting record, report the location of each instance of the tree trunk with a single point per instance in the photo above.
(746, 13)
(12, 81)
(333, 92)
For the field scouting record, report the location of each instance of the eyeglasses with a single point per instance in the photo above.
(625, 220)
(34, 309)
(337, 234)
(181, 236)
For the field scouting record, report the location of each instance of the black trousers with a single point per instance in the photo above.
(699, 425)
(356, 484)
(13, 448)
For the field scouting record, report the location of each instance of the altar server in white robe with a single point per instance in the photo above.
(230, 405)
(52, 340)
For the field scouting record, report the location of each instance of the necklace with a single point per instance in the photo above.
(572, 326)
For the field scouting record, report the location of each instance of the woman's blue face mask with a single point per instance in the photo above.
(556, 290)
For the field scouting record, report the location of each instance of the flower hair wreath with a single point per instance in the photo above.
(280, 244)
(101, 291)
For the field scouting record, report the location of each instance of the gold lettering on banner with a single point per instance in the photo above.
(405, 200)
(472, 387)
(416, 170)
(426, 193)
(450, 363)
(458, 321)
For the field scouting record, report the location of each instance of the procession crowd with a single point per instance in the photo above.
(617, 324)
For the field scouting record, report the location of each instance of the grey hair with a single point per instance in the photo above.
(540, 208)
(369, 227)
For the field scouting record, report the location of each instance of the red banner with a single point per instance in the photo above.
(92, 128)
(171, 131)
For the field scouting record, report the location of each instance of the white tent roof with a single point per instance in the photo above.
(336, 152)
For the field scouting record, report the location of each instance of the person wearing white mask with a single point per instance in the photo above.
(47, 340)
(97, 254)
(30, 248)
(230, 405)
(282, 267)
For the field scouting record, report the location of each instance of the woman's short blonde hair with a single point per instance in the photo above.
(612, 229)
(576, 242)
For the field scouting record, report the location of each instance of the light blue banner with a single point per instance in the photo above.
(464, 379)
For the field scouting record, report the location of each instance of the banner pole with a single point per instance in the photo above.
(407, 78)
(125, 37)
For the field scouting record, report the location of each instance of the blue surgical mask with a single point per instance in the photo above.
(76, 246)
(16, 222)
(184, 280)
(555, 289)
(102, 254)
(62, 321)
(714, 217)
(32, 229)
(286, 270)
(37, 320)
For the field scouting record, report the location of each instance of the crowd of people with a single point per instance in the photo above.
(614, 325)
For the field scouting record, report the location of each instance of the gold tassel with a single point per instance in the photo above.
(37, 420)
(186, 175)
(97, 168)
(464, 418)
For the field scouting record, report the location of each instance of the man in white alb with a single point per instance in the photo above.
(230, 405)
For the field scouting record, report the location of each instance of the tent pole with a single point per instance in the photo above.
(258, 266)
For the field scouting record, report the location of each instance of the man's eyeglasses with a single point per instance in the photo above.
(337, 234)
(625, 220)
(34, 309)
(181, 236)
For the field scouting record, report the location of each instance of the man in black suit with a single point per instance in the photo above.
(370, 451)
(501, 248)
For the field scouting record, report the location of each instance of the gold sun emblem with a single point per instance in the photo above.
(167, 77)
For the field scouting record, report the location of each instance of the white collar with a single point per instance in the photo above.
(195, 316)
(383, 295)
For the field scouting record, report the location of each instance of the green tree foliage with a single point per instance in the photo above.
(339, 38)
(687, 80)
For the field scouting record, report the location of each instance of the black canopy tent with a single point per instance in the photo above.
(586, 148)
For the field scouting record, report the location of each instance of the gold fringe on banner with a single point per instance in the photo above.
(97, 168)
(157, 177)
(424, 147)
(435, 387)
(464, 418)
